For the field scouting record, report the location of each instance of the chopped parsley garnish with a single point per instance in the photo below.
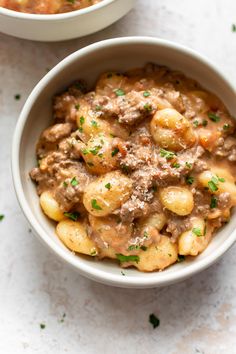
(176, 165)
(213, 183)
(94, 123)
(95, 205)
(119, 92)
(189, 180)
(167, 154)
(115, 152)
(73, 216)
(74, 182)
(233, 27)
(213, 117)
(146, 94)
(108, 186)
(204, 122)
(155, 322)
(82, 120)
(2, 217)
(147, 107)
(122, 273)
(145, 234)
(196, 123)
(65, 184)
(17, 97)
(180, 258)
(189, 165)
(77, 107)
(98, 108)
(197, 231)
(125, 168)
(137, 247)
(214, 202)
(123, 258)
(42, 325)
(93, 252)
(95, 150)
(226, 126)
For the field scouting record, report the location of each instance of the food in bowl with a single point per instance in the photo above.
(140, 170)
(47, 6)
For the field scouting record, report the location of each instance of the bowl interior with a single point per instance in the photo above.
(120, 54)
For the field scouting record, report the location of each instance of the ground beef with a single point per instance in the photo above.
(177, 225)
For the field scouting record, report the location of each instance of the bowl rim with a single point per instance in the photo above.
(54, 17)
(90, 271)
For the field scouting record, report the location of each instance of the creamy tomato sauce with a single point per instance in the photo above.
(141, 169)
(46, 6)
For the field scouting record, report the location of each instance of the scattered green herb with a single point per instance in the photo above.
(115, 152)
(147, 107)
(74, 182)
(77, 107)
(196, 123)
(214, 182)
(146, 94)
(65, 184)
(123, 258)
(95, 205)
(155, 322)
(98, 108)
(108, 186)
(145, 234)
(93, 252)
(122, 273)
(42, 325)
(17, 97)
(213, 117)
(119, 92)
(95, 150)
(176, 165)
(94, 123)
(204, 122)
(189, 180)
(197, 231)
(73, 216)
(226, 126)
(214, 202)
(63, 318)
(189, 165)
(233, 27)
(167, 154)
(2, 217)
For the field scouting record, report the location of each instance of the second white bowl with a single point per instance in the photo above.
(63, 26)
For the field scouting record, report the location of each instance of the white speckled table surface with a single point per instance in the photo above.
(196, 316)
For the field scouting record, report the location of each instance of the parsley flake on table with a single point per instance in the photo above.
(17, 97)
(155, 322)
(95, 204)
(2, 217)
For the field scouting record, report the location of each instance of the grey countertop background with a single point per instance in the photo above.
(196, 316)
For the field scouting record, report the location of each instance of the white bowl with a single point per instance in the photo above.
(63, 26)
(87, 63)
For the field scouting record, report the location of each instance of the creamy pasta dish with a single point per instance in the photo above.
(140, 170)
(46, 6)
